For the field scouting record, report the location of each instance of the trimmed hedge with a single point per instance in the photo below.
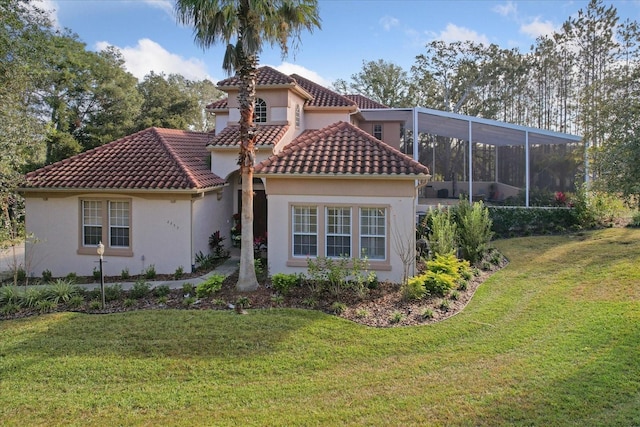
(521, 221)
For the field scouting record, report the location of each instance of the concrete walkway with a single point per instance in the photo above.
(227, 268)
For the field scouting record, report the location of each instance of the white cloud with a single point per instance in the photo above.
(507, 9)
(453, 33)
(165, 5)
(51, 7)
(149, 56)
(388, 22)
(538, 28)
(289, 68)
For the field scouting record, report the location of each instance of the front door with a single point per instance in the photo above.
(259, 212)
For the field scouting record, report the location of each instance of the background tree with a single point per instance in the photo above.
(382, 81)
(245, 26)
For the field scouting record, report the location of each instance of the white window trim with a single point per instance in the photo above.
(106, 228)
(294, 233)
(362, 235)
(327, 234)
(262, 103)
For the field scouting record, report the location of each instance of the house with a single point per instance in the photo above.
(328, 182)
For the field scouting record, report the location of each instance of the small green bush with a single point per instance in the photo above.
(46, 306)
(62, 291)
(95, 305)
(283, 283)
(210, 286)
(396, 317)
(163, 299)
(76, 301)
(150, 272)
(129, 302)
(414, 289)
(474, 230)
(178, 273)
(32, 296)
(243, 302)
(96, 274)
(124, 274)
(427, 313)
(10, 295)
(93, 294)
(9, 309)
(635, 220)
(113, 292)
(439, 283)
(362, 313)
(71, 277)
(454, 295)
(189, 301)
(47, 276)
(338, 307)
(444, 305)
(444, 232)
(140, 289)
(161, 291)
(188, 289)
(277, 299)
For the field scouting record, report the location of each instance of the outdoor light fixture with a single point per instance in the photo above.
(100, 251)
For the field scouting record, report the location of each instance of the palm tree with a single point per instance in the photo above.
(244, 26)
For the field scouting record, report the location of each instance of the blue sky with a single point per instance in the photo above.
(352, 32)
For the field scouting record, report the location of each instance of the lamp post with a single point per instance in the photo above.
(101, 252)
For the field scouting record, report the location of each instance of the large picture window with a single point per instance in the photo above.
(305, 231)
(338, 232)
(373, 232)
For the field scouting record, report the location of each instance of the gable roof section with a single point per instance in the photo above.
(265, 135)
(365, 103)
(341, 149)
(152, 159)
(266, 76)
(323, 97)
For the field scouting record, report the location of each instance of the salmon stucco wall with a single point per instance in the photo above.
(323, 193)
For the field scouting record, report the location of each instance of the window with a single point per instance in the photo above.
(377, 131)
(297, 116)
(260, 111)
(106, 221)
(373, 232)
(338, 232)
(305, 231)
(119, 224)
(91, 222)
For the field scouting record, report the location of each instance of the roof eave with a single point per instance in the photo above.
(121, 190)
(396, 177)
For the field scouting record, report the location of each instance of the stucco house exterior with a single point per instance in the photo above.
(328, 182)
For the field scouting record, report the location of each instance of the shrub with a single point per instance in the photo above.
(216, 245)
(427, 313)
(96, 274)
(124, 274)
(283, 283)
(396, 317)
(161, 291)
(361, 313)
(438, 283)
(47, 276)
(635, 220)
(46, 306)
(447, 264)
(338, 307)
(444, 232)
(243, 302)
(71, 277)
(9, 309)
(113, 292)
(21, 274)
(474, 230)
(150, 272)
(204, 262)
(188, 289)
(140, 289)
(188, 301)
(10, 295)
(129, 302)
(444, 305)
(261, 272)
(75, 301)
(329, 273)
(62, 290)
(93, 294)
(163, 299)
(210, 286)
(32, 296)
(520, 221)
(94, 305)
(310, 302)
(178, 273)
(277, 299)
(454, 295)
(414, 289)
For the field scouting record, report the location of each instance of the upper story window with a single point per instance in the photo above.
(260, 111)
(377, 131)
(297, 116)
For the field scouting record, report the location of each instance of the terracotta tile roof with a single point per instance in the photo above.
(267, 76)
(220, 104)
(322, 97)
(267, 135)
(340, 149)
(153, 159)
(365, 103)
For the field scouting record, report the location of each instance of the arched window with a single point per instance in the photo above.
(260, 112)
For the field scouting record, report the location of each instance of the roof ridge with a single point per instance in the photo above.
(175, 156)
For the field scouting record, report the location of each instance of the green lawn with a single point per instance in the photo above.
(553, 339)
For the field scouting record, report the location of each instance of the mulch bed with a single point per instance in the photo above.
(383, 306)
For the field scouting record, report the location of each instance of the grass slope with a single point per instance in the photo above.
(553, 339)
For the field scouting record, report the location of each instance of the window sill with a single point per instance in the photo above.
(119, 252)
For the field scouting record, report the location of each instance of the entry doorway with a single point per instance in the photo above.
(259, 212)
